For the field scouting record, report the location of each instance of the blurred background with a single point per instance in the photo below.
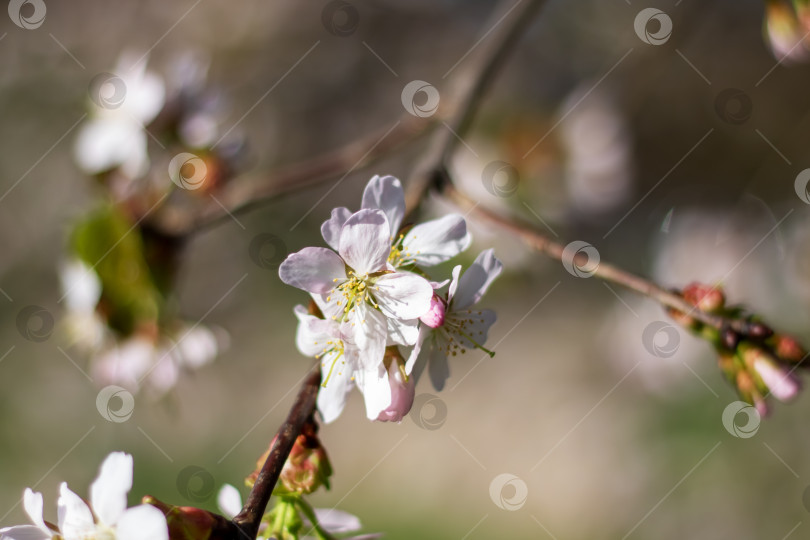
(676, 154)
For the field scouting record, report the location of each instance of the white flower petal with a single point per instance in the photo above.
(108, 494)
(197, 346)
(229, 501)
(385, 193)
(144, 522)
(336, 376)
(451, 290)
(376, 390)
(476, 280)
(105, 143)
(312, 333)
(370, 333)
(425, 332)
(437, 241)
(32, 502)
(75, 518)
(402, 332)
(332, 226)
(81, 285)
(23, 532)
(365, 242)
(403, 295)
(336, 521)
(313, 269)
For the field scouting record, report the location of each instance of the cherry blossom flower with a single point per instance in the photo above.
(115, 135)
(452, 326)
(107, 518)
(330, 342)
(358, 286)
(426, 244)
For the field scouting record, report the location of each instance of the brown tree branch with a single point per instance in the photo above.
(475, 77)
(250, 517)
(605, 271)
(246, 193)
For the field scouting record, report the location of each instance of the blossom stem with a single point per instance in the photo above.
(477, 345)
(309, 512)
(249, 519)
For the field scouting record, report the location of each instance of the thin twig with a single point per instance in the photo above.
(250, 517)
(608, 272)
(246, 193)
(471, 84)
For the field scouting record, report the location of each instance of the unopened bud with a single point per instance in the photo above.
(704, 297)
(784, 31)
(307, 468)
(434, 317)
(189, 523)
(780, 382)
(787, 348)
(758, 330)
(729, 338)
(403, 390)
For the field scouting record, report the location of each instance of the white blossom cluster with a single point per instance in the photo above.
(382, 320)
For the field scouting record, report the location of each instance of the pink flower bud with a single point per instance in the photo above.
(780, 382)
(434, 318)
(787, 348)
(189, 523)
(704, 297)
(402, 393)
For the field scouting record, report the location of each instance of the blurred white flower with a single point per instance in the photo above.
(123, 103)
(140, 360)
(106, 518)
(85, 328)
(598, 152)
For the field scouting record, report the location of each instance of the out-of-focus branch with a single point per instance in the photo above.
(250, 517)
(250, 191)
(476, 74)
(608, 272)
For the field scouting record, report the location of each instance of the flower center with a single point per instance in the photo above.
(458, 327)
(400, 255)
(353, 291)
